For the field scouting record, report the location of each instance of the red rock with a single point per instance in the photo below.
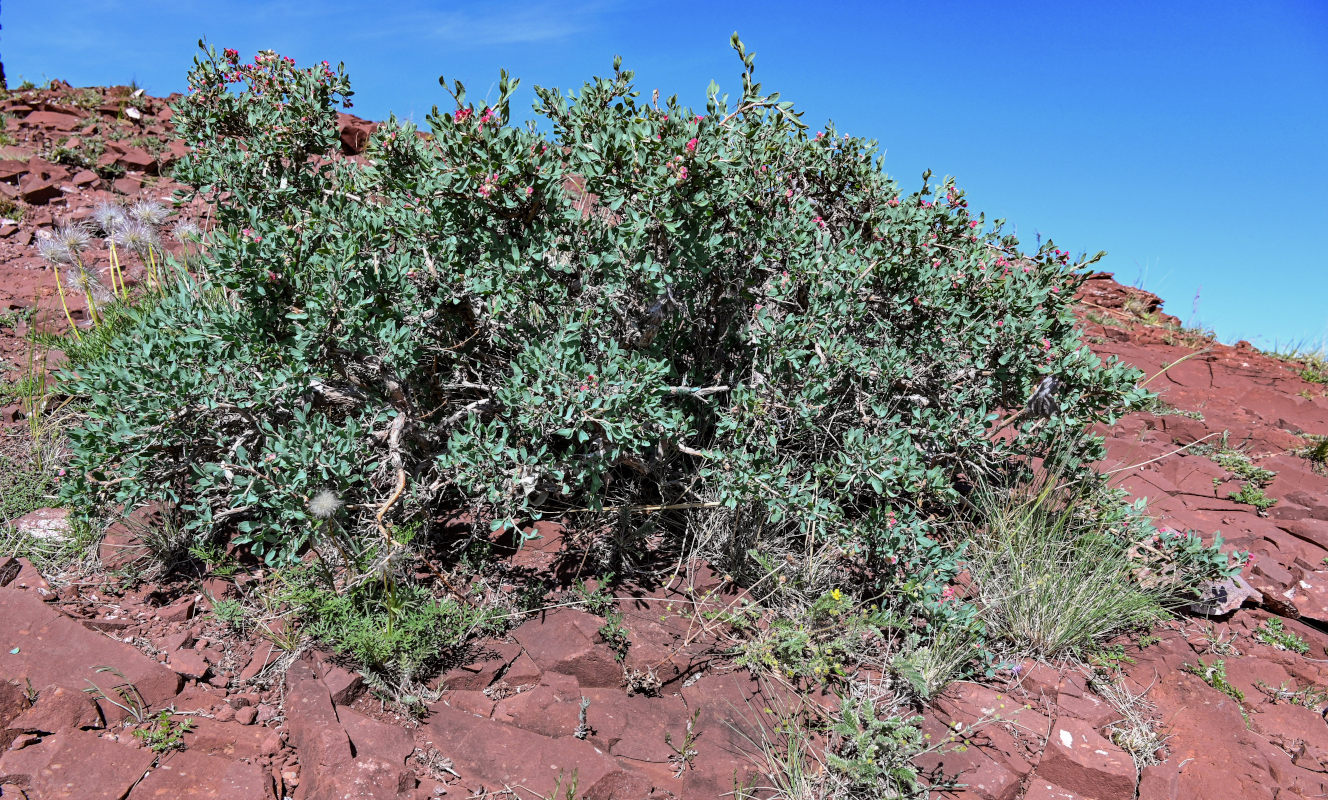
(472, 702)
(138, 160)
(620, 785)
(121, 546)
(52, 648)
(635, 726)
(566, 640)
(312, 721)
(19, 573)
(355, 133)
(179, 611)
(85, 177)
(13, 702)
(44, 523)
(489, 754)
(1039, 789)
(189, 775)
(491, 659)
(552, 708)
(128, 185)
(1079, 759)
(189, 663)
(77, 765)
(264, 655)
(343, 685)
(246, 715)
(230, 740)
(388, 743)
(58, 708)
(1219, 598)
(363, 779)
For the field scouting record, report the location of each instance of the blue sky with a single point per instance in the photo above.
(1188, 139)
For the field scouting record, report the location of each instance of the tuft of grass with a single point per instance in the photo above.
(1136, 731)
(1052, 581)
(1235, 461)
(1316, 453)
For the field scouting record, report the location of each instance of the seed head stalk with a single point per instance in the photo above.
(86, 281)
(117, 271)
(60, 287)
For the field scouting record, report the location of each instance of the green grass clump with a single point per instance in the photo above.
(1055, 577)
(390, 627)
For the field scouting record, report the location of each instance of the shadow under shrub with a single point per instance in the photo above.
(744, 328)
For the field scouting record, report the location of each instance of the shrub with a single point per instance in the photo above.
(711, 315)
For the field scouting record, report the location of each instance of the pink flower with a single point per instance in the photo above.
(973, 224)
(691, 145)
(757, 307)
(530, 190)
(788, 193)
(1000, 323)
(1046, 344)
(682, 174)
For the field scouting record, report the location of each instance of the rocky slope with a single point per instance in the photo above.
(551, 704)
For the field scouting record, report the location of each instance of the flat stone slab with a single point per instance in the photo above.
(42, 644)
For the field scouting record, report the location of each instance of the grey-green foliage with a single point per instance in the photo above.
(639, 303)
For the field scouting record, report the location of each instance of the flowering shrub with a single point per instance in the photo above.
(699, 314)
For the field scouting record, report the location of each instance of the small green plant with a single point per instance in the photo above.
(873, 752)
(1274, 634)
(1316, 453)
(1251, 494)
(1311, 697)
(684, 755)
(1111, 657)
(392, 628)
(1215, 675)
(232, 614)
(163, 732)
(130, 700)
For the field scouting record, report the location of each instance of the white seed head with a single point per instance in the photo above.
(83, 282)
(52, 249)
(149, 212)
(135, 236)
(186, 231)
(109, 217)
(324, 504)
(75, 236)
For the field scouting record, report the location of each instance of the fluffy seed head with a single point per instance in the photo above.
(109, 217)
(186, 231)
(83, 282)
(324, 504)
(149, 212)
(75, 236)
(52, 249)
(135, 236)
